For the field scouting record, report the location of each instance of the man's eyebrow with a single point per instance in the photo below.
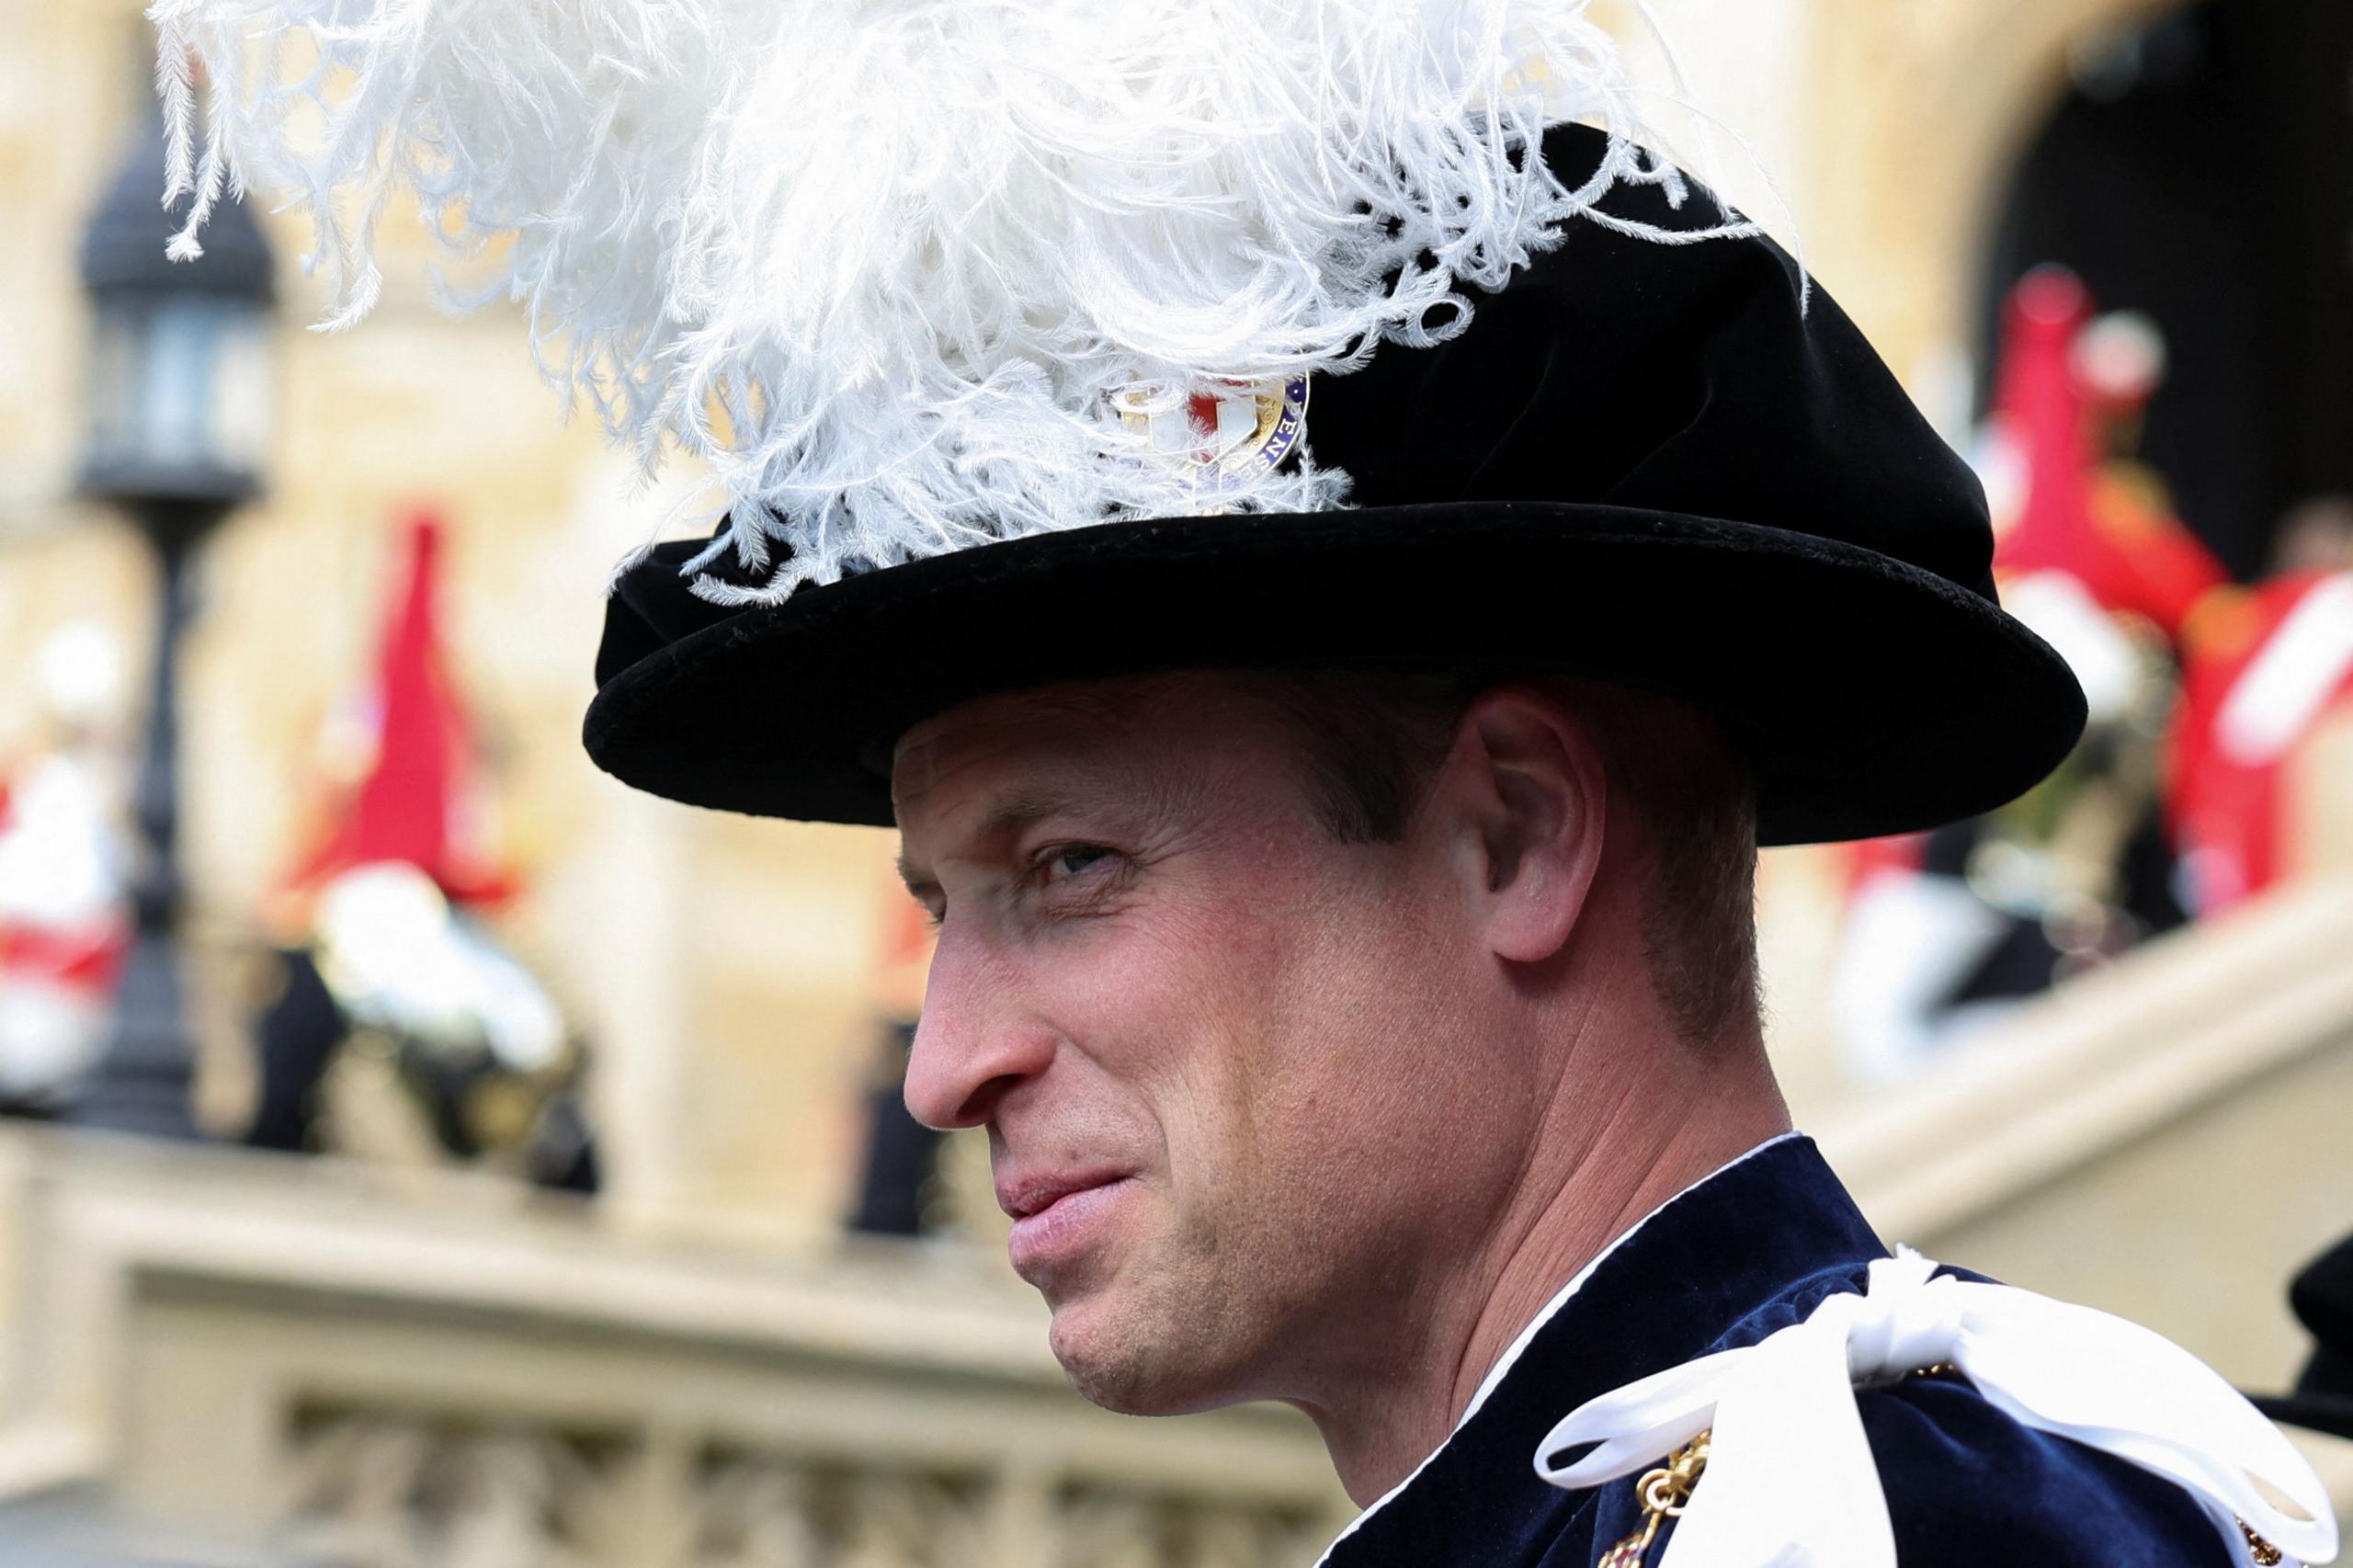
(1011, 817)
(1007, 819)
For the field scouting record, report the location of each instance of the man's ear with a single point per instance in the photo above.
(1523, 798)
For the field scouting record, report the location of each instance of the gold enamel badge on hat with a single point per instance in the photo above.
(1223, 434)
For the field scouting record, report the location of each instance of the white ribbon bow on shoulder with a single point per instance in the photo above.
(1790, 1481)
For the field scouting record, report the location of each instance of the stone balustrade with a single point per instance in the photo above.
(393, 1370)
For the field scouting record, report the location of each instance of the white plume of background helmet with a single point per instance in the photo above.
(885, 263)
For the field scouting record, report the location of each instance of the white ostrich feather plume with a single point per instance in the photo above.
(882, 263)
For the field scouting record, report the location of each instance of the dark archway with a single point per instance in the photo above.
(2201, 170)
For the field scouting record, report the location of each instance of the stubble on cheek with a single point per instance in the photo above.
(1244, 1273)
(1244, 1005)
(1176, 1322)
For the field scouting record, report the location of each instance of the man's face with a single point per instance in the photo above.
(1220, 1055)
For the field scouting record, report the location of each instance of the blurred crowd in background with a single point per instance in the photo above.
(2205, 692)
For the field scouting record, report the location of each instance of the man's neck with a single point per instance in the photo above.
(1569, 1210)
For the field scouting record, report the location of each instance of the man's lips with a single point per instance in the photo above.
(1053, 1216)
(1021, 1197)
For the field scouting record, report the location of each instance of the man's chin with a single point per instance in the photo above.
(1115, 1361)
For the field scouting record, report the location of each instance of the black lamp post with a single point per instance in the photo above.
(179, 422)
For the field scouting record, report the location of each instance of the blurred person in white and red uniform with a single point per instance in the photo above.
(2267, 670)
(64, 907)
(1946, 929)
(383, 933)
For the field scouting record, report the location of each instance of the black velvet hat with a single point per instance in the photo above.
(2321, 1296)
(1651, 463)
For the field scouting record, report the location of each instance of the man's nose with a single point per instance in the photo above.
(973, 1043)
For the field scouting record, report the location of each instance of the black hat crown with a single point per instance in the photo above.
(1662, 463)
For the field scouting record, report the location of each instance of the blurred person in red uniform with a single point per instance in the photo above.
(64, 909)
(1947, 929)
(895, 1195)
(2265, 668)
(382, 932)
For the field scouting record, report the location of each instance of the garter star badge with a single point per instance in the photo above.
(1227, 432)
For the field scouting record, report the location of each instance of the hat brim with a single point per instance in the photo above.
(1871, 697)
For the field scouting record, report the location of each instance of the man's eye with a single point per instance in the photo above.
(1070, 859)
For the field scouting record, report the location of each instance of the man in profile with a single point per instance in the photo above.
(1333, 565)
(1345, 934)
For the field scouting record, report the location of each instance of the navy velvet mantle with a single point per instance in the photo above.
(1745, 1252)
